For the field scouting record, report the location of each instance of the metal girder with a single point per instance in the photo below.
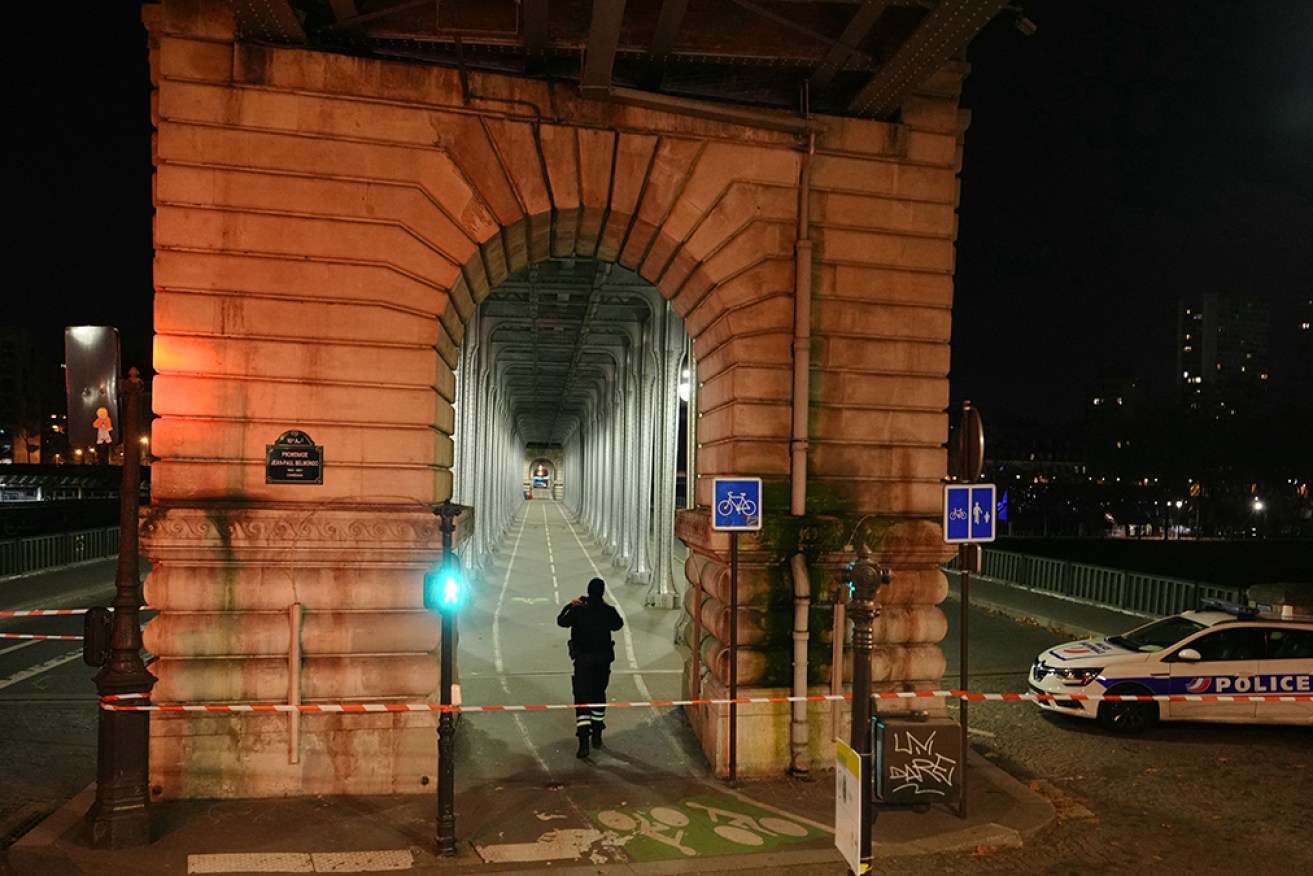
(535, 26)
(273, 21)
(753, 53)
(343, 9)
(555, 331)
(603, 38)
(940, 35)
(669, 20)
(858, 27)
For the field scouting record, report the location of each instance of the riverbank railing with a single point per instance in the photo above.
(31, 553)
(1136, 592)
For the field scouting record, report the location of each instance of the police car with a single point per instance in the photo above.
(1212, 652)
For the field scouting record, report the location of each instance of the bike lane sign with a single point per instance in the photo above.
(736, 504)
(969, 512)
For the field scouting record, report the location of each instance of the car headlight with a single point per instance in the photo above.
(1071, 675)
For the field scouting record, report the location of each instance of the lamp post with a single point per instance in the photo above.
(120, 817)
(443, 591)
(864, 577)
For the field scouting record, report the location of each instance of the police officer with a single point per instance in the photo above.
(590, 621)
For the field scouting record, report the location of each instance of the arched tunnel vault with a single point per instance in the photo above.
(327, 230)
(582, 356)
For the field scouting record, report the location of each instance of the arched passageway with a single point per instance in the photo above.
(328, 229)
(578, 359)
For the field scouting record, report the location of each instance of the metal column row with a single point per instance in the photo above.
(620, 457)
(488, 454)
(623, 455)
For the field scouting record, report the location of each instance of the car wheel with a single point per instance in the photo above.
(1119, 716)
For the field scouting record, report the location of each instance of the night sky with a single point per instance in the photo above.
(1125, 155)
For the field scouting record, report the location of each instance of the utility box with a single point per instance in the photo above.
(917, 761)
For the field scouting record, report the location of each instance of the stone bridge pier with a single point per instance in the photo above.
(327, 231)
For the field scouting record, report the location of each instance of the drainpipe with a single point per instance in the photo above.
(295, 619)
(800, 757)
(802, 334)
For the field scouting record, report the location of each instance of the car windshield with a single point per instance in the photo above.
(1157, 635)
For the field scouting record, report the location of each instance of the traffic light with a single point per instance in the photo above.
(444, 590)
(863, 575)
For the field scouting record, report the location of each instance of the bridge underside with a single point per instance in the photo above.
(364, 250)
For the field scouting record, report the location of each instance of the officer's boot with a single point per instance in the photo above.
(598, 727)
(583, 744)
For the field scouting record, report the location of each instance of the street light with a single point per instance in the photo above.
(864, 577)
(443, 593)
(120, 815)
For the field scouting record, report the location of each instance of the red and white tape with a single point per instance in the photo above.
(44, 612)
(35, 636)
(117, 704)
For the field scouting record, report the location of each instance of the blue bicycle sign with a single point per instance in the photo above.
(969, 513)
(736, 504)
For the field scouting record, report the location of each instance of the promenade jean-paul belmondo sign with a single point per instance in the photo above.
(293, 459)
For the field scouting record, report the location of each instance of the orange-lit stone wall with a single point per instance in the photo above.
(325, 226)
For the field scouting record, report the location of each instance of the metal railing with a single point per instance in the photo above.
(1099, 585)
(19, 555)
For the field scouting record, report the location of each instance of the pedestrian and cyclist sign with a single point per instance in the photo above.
(969, 512)
(736, 504)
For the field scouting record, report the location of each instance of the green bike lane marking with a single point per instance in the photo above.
(704, 825)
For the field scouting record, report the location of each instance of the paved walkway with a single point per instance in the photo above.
(643, 804)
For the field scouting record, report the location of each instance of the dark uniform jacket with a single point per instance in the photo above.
(591, 622)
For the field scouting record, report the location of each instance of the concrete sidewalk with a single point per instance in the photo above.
(676, 826)
(626, 819)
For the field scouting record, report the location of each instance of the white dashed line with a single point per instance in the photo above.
(32, 671)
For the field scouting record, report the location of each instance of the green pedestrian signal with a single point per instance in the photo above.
(444, 590)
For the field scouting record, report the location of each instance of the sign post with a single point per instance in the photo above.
(969, 518)
(849, 813)
(735, 508)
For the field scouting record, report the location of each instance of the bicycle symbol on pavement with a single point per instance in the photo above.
(700, 826)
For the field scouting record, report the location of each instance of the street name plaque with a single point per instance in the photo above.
(293, 459)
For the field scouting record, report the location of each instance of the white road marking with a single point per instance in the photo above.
(499, 662)
(644, 693)
(16, 647)
(629, 639)
(553, 845)
(31, 671)
(501, 599)
(302, 862)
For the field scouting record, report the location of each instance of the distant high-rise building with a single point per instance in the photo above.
(20, 424)
(1302, 367)
(1112, 420)
(1115, 399)
(1221, 353)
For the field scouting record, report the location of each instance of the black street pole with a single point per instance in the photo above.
(970, 463)
(866, 577)
(447, 513)
(733, 658)
(120, 815)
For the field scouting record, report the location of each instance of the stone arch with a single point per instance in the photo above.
(325, 223)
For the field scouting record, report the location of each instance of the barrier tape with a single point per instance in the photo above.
(34, 636)
(113, 703)
(54, 612)
(44, 612)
